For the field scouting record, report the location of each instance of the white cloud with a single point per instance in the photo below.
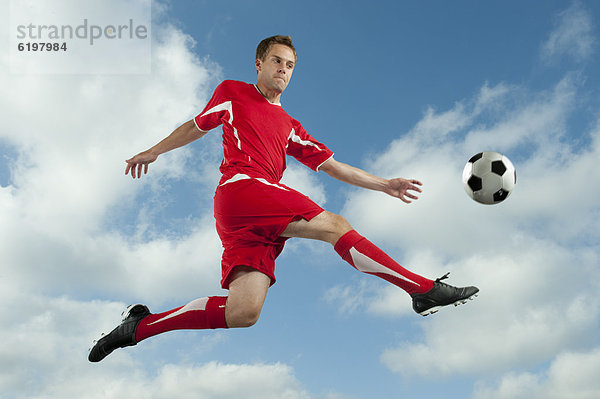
(68, 179)
(60, 244)
(381, 300)
(572, 36)
(71, 135)
(44, 354)
(534, 257)
(214, 380)
(208, 381)
(537, 149)
(534, 121)
(349, 298)
(571, 375)
(530, 308)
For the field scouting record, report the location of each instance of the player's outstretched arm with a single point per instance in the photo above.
(399, 188)
(181, 136)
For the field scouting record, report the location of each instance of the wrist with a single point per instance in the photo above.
(383, 185)
(156, 150)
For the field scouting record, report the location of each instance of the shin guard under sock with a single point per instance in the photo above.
(368, 258)
(201, 313)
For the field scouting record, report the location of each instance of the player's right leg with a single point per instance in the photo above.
(428, 296)
(247, 291)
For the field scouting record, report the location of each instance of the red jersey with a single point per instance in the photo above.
(257, 135)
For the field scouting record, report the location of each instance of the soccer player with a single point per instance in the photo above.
(255, 214)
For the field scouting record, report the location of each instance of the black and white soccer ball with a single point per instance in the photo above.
(489, 177)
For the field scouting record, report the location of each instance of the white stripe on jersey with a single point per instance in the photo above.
(226, 106)
(241, 176)
(296, 139)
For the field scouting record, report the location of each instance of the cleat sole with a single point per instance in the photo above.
(429, 311)
(435, 309)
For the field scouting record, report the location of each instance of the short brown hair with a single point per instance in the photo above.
(265, 45)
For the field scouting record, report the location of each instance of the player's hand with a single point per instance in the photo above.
(140, 162)
(403, 188)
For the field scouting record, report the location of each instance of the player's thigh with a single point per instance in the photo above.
(247, 292)
(326, 226)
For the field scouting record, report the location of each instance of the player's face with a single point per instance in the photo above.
(275, 72)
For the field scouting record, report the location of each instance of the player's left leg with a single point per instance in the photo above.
(241, 308)
(138, 324)
(428, 296)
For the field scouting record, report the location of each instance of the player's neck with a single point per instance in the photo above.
(272, 96)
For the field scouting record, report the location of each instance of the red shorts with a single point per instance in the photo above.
(251, 214)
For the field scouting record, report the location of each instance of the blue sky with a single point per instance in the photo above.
(408, 89)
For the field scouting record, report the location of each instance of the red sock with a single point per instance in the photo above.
(367, 258)
(199, 314)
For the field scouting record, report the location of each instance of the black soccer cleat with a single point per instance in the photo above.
(123, 335)
(442, 295)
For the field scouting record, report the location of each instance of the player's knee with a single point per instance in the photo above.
(339, 225)
(245, 316)
(249, 316)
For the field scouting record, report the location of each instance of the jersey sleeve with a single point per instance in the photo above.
(217, 110)
(306, 149)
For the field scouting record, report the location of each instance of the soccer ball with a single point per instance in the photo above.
(489, 177)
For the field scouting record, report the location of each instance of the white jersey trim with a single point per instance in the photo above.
(241, 176)
(321, 164)
(225, 106)
(259, 92)
(297, 139)
(203, 131)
